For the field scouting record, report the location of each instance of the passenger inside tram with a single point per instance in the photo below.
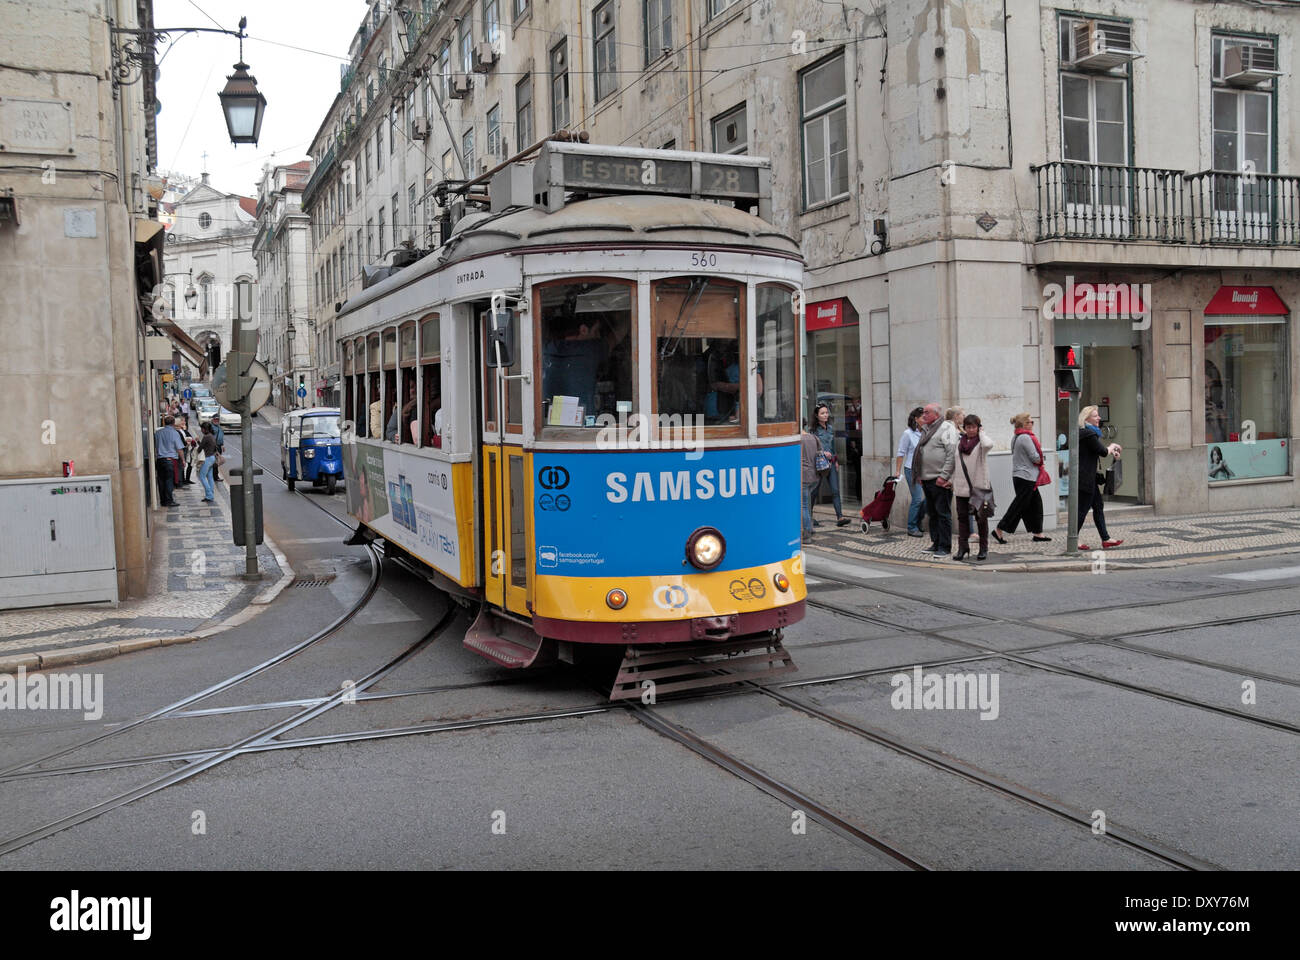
(586, 351)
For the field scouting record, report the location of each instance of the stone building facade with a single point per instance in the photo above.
(80, 251)
(945, 165)
(281, 250)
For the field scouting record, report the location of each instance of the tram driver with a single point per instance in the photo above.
(575, 349)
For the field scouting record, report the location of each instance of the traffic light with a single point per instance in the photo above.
(244, 349)
(1069, 374)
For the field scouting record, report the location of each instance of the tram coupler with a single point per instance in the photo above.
(668, 668)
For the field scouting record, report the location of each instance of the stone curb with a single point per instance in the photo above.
(88, 653)
(1082, 565)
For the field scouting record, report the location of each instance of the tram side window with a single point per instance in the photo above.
(698, 348)
(431, 377)
(777, 354)
(586, 351)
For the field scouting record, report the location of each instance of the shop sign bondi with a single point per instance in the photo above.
(1099, 301)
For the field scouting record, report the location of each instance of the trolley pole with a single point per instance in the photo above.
(250, 519)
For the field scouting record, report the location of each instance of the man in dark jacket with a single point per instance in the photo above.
(934, 461)
(1091, 450)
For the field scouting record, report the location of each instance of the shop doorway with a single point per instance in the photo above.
(1112, 380)
(835, 379)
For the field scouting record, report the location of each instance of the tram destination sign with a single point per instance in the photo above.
(584, 168)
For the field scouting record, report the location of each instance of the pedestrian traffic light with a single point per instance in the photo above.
(1069, 375)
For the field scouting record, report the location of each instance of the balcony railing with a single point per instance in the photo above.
(1245, 208)
(1110, 202)
(1098, 201)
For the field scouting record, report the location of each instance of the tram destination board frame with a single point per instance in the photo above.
(563, 168)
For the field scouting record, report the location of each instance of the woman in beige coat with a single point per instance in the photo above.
(971, 476)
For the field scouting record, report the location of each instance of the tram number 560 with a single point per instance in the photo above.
(704, 259)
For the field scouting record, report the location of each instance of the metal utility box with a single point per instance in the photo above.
(56, 542)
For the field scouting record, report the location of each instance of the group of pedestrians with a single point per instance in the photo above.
(942, 457)
(178, 447)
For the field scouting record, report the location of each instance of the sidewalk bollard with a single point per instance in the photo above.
(236, 481)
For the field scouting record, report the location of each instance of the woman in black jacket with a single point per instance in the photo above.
(1091, 450)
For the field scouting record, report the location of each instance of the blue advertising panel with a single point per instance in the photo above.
(1247, 459)
(629, 513)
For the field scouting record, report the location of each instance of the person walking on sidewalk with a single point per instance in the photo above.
(934, 460)
(971, 485)
(808, 450)
(168, 446)
(1028, 473)
(191, 445)
(208, 451)
(903, 468)
(1091, 450)
(220, 436)
(828, 464)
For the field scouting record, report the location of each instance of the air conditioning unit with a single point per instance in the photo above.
(1101, 45)
(484, 57)
(420, 128)
(1246, 66)
(460, 86)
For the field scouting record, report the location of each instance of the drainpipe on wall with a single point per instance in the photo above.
(582, 76)
(690, 73)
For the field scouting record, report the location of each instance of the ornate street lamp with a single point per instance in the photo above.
(243, 105)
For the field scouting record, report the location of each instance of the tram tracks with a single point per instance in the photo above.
(259, 739)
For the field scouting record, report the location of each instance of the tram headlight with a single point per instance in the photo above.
(309, 454)
(705, 548)
(782, 582)
(616, 599)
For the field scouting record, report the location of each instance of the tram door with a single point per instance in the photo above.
(507, 486)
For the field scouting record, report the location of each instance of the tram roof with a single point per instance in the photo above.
(650, 220)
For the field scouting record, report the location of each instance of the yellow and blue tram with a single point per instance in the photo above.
(581, 413)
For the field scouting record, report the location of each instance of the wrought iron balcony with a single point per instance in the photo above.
(1244, 208)
(1109, 202)
(1098, 201)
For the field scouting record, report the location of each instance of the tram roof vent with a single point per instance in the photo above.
(596, 170)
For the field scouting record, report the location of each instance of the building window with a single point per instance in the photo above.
(524, 113)
(444, 70)
(492, 22)
(717, 6)
(379, 147)
(395, 220)
(367, 160)
(370, 241)
(520, 8)
(657, 18)
(467, 150)
(1244, 135)
(383, 247)
(1247, 413)
(428, 97)
(394, 118)
(205, 294)
(466, 47)
(731, 132)
(494, 131)
(604, 48)
(560, 86)
(205, 220)
(347, 262)
(410, 207)
(824, 112)
(447, 169)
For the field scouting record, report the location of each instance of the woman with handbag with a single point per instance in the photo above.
(1091, 477)
(1028, 473)
(971, 485)
(828, 464)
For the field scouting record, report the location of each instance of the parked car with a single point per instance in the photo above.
(230, 421)
(207, 407)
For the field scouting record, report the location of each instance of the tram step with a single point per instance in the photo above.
(507, 642)
(691, 666)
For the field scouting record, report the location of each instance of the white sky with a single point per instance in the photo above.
(299, 86)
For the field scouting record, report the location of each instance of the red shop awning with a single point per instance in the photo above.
(1103, 301)
(825, 314)
(1245, 302)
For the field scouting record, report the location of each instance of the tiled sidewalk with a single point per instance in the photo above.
(1148, 541)
(195, 588)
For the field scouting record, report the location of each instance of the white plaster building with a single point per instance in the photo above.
(209, 247)
(282, 250)
(943, 163)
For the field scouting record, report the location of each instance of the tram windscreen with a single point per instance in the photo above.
(586, 352)
(697, 324)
